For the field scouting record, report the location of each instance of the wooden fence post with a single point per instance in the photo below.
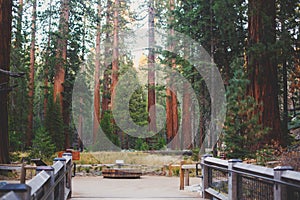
(170, 170)
(187, 177)
(181, 174)
(232, 180)
(206, 173)
(69, 177)
(23, 174)
(62, 184)
(50, 171)
(280, 192)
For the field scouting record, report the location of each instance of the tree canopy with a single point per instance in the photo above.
(75, 55)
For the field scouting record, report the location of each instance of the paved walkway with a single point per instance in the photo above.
(147, 188)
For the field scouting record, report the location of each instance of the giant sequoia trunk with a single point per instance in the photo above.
(59, 79)
(29, 132)
(5, 45)
(97, 78)
(171, 102)
(61, 54)
(262, 67)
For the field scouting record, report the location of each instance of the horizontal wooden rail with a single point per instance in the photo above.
(50, 183)
(233, 180)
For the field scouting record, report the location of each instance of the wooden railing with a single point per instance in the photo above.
(233, 180)
(50, 183)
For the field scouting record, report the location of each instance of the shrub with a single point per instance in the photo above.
(42, 145)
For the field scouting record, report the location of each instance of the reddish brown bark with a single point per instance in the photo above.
(29, 132)
(5, 45)
(171, 104)
(262, 67)
(97, 78)
(169, 114)
(59, 77)
(61, 53)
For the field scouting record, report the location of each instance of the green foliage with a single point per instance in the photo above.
(141, 145)
(265, 155)
(242, 131)
(195, 155)
(109, 128)
(54, 124)
(42, 145)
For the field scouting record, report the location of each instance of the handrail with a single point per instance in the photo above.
(245, 180)
(38, 181)
(51, 183)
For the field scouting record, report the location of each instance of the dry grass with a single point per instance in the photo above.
(138, 158)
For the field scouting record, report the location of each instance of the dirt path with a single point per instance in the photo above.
(147, 187)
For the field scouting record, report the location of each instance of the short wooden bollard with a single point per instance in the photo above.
(187, 177)
(23, 174)
(181, 175)
(170, 170)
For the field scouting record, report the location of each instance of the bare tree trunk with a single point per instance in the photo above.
(97, 77)
(115, 57)
(186, 118)
(262, 66)
(202, 119)
(29, 132)
(151, 70)
(5, 41)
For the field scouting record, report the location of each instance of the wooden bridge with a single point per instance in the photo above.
(51, 182)
(220, 179)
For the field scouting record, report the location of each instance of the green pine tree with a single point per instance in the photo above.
(54, 124)
(42, 145)
(241, 131)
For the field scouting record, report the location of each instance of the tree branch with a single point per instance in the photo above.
(12, 74)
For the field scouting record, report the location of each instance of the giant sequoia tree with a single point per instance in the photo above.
(262, 66)
(5, 43)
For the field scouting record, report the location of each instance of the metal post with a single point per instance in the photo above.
(48, 187)
(206, 173)
(232, 180)
(62, 184)
(280, 192)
